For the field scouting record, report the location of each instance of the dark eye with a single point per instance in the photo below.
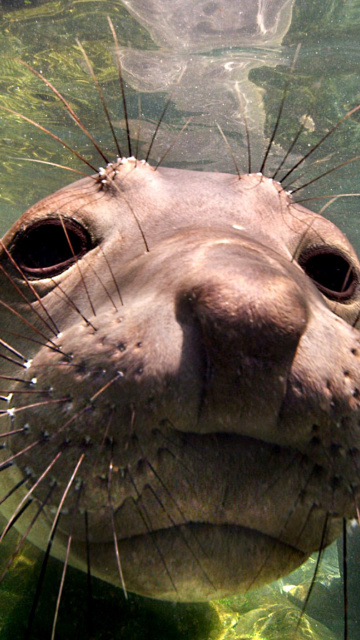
(332, 273)
(45, 249)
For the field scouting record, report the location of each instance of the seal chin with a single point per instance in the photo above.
(187, 563)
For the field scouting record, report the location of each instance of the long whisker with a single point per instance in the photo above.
(315, 574)
(25, 534)
(88, 576)
(322, 175)
(112, 276)
(52, 135)
(13, 350)
(246, 125)
(29, 493)
(183, 537)
(162, 115)
(116, 545)
(14, 410)
(12, 490)
(7, 463)
(51, 164)
(48, 549)
(122, 86)
(185, 126)
(66, 562)
(20, 513)
(317, 145)
(136, 221)
(72, 304)
(77, 264)
(67, 107)
(230, 150)
(29, 324)
(345, 581)
(12, 433)
(296, 138)
(267, 151)
(147, 522)
(101, 95)
(52, 327)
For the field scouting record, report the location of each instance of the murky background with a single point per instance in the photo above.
(218, 60)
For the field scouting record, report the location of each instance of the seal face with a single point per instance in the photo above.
(185, 379)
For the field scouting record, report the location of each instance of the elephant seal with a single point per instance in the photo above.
(180, 367)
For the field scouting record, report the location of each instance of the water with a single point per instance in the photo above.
(159, 41)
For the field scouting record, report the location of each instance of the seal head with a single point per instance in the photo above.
(186, 378)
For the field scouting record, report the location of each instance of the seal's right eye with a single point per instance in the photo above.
(49, 247)
(331, 271)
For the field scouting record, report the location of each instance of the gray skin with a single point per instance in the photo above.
(213, 408)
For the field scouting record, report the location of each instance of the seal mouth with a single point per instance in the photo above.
(191, 556)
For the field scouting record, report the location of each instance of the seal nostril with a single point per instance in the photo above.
(332, 273)
(50, 246)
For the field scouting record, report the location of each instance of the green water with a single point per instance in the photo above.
(44, 33)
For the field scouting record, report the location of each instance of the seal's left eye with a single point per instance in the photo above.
(332, 273)
(50, 246)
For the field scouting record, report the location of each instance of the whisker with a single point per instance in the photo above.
(29, 493)
(317, 145)
(72, 304)
(138, 129)
(51, 164)
(147, 522)
(162, 115)
(66, 491)
(52, 135)
(77, 264)
(183, 537)
(29, 324)
(14, 379)
(322, 175)
(105, 289)
(25, 534)
(22, 392)
(185, 126)
(7, 463)
(66, 562)
(345, 581)
(101, 95)
(296, 138)
(88, 577)
(315, 574)
(327, 197)
(230, 150)
(67, 107)
(116, 545)
(53, 328)
(12, 490)
(246, 125)
(43, 403)
(17, 517)
(24, 365)
(118, 375)
(12, 433)
(112, 276)
(122, 86)
(267, 151)
(13, 350)
(137, 222)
